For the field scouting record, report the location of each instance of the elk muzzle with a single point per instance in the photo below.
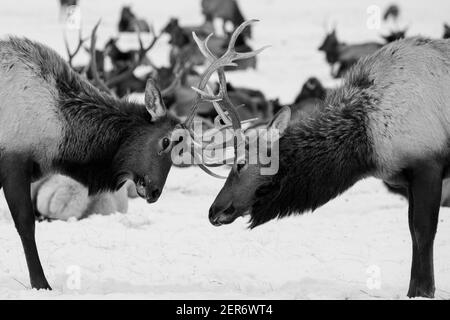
(147, 189)
(223, 215)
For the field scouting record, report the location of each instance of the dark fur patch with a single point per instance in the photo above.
(96, 125)
(320, 158)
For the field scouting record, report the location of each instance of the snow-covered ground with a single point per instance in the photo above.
(357, 246)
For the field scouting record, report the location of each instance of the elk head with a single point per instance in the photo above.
(446, 31)
(146, 152)
(330, 46)
(228, 120)
(236, 197)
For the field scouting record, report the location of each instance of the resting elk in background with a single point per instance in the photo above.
(53, 120)
(228, 11)
(308, 102)
(343, 54)
(64, 5)
(57, 197)
(390, 120)
(130, 23)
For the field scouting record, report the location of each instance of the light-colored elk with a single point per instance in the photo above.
(52, 120)
(390, 119)
(59, 197)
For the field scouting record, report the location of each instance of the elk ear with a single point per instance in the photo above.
(281, 120)
(153, 100)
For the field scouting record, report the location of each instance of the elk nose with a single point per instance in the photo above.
(213, 217)
(153, 194)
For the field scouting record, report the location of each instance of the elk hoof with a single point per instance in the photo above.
(423, 292)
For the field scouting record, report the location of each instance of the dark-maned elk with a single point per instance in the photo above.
(309, 102)
(390, 119)
(343, 54)
(228, 11)
(395, 35)
(392, 13)
(130, 23)
(446, 31)
(119, 59)
(121, 79)
(53, 120)
(183, 47)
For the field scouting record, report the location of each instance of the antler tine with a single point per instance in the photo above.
(93, 63)
(179, 71)
(80, 43)
(141, 56)
(142, 50)
(217, 64)
(221, 102)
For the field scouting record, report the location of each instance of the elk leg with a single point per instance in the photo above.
(15, 177)
(425, 185)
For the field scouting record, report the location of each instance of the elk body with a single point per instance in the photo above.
(228, 11)
(53, 120)
(130, 23)
(446, 34)
(343, 54)
(57, 197)
(390, 120)
(308, 103)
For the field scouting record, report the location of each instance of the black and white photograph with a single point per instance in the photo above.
(224, 150)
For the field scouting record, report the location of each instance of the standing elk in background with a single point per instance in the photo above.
(228, 11)
(130, 23)
(389, 120)
(69, 126)
(343, 54)
(309, 102)
(392, 13)
(182, 46)
(446, 31)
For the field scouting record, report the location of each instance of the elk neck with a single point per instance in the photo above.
(97, 126)
(320, 157)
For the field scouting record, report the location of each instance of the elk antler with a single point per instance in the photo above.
(113, 81)
(221, 101)
(78, 47)
(96, 80)
(142, 53)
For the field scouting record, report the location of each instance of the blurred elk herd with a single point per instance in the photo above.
(58, 197)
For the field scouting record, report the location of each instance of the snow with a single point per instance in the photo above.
(169, 250)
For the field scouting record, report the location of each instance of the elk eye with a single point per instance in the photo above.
(165, 143)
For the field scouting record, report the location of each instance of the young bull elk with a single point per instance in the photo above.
(53, 120)
(390, 120)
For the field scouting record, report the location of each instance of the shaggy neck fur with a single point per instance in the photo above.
(98, 126)
(320, 158)
(99, 130)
